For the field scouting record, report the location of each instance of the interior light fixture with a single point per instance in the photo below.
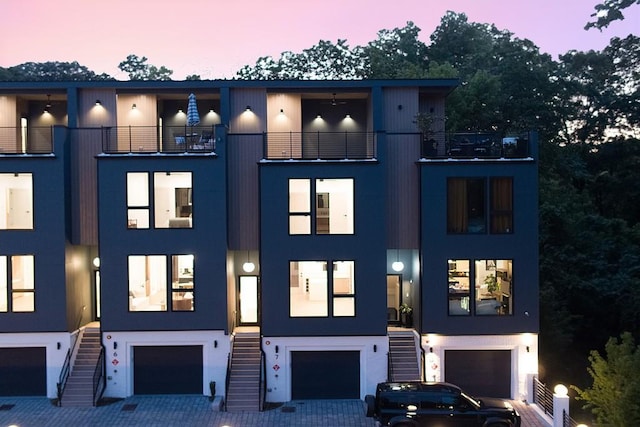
(397, 265)
(248, 266)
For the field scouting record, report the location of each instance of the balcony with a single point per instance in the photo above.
(476, 145)
(156, 139)
(320, 145)
(28, 140)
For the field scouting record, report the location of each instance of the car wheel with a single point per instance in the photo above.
(370, 401)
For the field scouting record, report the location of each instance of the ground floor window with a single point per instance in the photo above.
(322, 289)
(17, 284)
(480, 287)
(148, 282)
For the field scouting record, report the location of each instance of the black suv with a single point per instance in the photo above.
(420, 404)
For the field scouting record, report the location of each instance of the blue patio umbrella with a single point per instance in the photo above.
(193, 118)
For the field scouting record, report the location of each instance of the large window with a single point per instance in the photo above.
(17, 290)
(148, 283)
(480, 287)
(467, 205)
(16, 201)
(172, 200)
(314, 284)
(331, 211)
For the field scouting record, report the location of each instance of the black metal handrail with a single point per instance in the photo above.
(99, 377)
(263, 379)
(473, 145)
(38, 140)
(423, 374)
(389, 367)
(319, 145)
(66, 366)
(543, 397)
(226, 382)
(158, 139)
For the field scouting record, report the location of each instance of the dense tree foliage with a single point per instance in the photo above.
(614, 396)
(138, 69)
(609, 11)
(50, 71)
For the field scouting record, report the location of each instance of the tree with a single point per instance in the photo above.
(52, 71)
(397, 54)
(322, 61)
(138, 69)
(614, 397)
(609, 11)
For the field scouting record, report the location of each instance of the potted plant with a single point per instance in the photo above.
(492, 283)
(406, 315)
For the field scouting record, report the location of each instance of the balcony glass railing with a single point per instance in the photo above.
(319, 145)
(30, 140)
(156, 139)
(478, 145)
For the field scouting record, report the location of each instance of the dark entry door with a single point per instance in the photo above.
(480, 372)
(325, 375)
(167, 369)
(23, 371)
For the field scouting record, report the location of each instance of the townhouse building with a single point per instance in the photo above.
(261, 241)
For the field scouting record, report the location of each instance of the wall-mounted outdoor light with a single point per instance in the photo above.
(98, 103)
(133, 107)
(248, 108)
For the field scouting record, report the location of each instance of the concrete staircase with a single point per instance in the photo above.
(243, 392)
(403, 356)
(78, 391)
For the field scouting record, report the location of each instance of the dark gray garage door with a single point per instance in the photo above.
(23, 371)
(167, 369)
(479, 372)
(325, 375)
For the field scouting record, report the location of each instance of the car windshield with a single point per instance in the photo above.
(472, 400)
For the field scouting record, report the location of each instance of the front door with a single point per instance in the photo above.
(248, 300)
(394, 296)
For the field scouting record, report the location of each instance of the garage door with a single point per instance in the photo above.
(325, 375)
(23, 371)
(480, 372)
(167, 369)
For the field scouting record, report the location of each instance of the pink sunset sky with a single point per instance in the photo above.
(215, 38)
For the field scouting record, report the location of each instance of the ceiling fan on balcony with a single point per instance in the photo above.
(334, 102)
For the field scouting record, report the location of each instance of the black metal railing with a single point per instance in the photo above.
(227, 378)
(263, 380)
(29, 140)
(99, 378)
(473, 145)
(543, 397)
(66, 366)
(567, 421)
(158, 139)
(423, 374)
(389, 367)
(319, 145)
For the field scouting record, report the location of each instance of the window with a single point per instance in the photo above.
(148, 283)
(138, 200)
(16, 201)
(182, 297)
(17, 283)
(310, 293)
(467, 204)
(492, 290)
(333, 208)
(172, 200)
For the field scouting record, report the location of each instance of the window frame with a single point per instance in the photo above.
(8, 290)
(316, 201)
(29, 216)
(504, 307)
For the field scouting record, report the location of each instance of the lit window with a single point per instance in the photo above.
(310, 292)
(492, 290)
(172, 199)
(138, 200)
(16, 201)
(333, 208)
(182, 289)
(17, 280)
(147, 283)
(467, 204)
